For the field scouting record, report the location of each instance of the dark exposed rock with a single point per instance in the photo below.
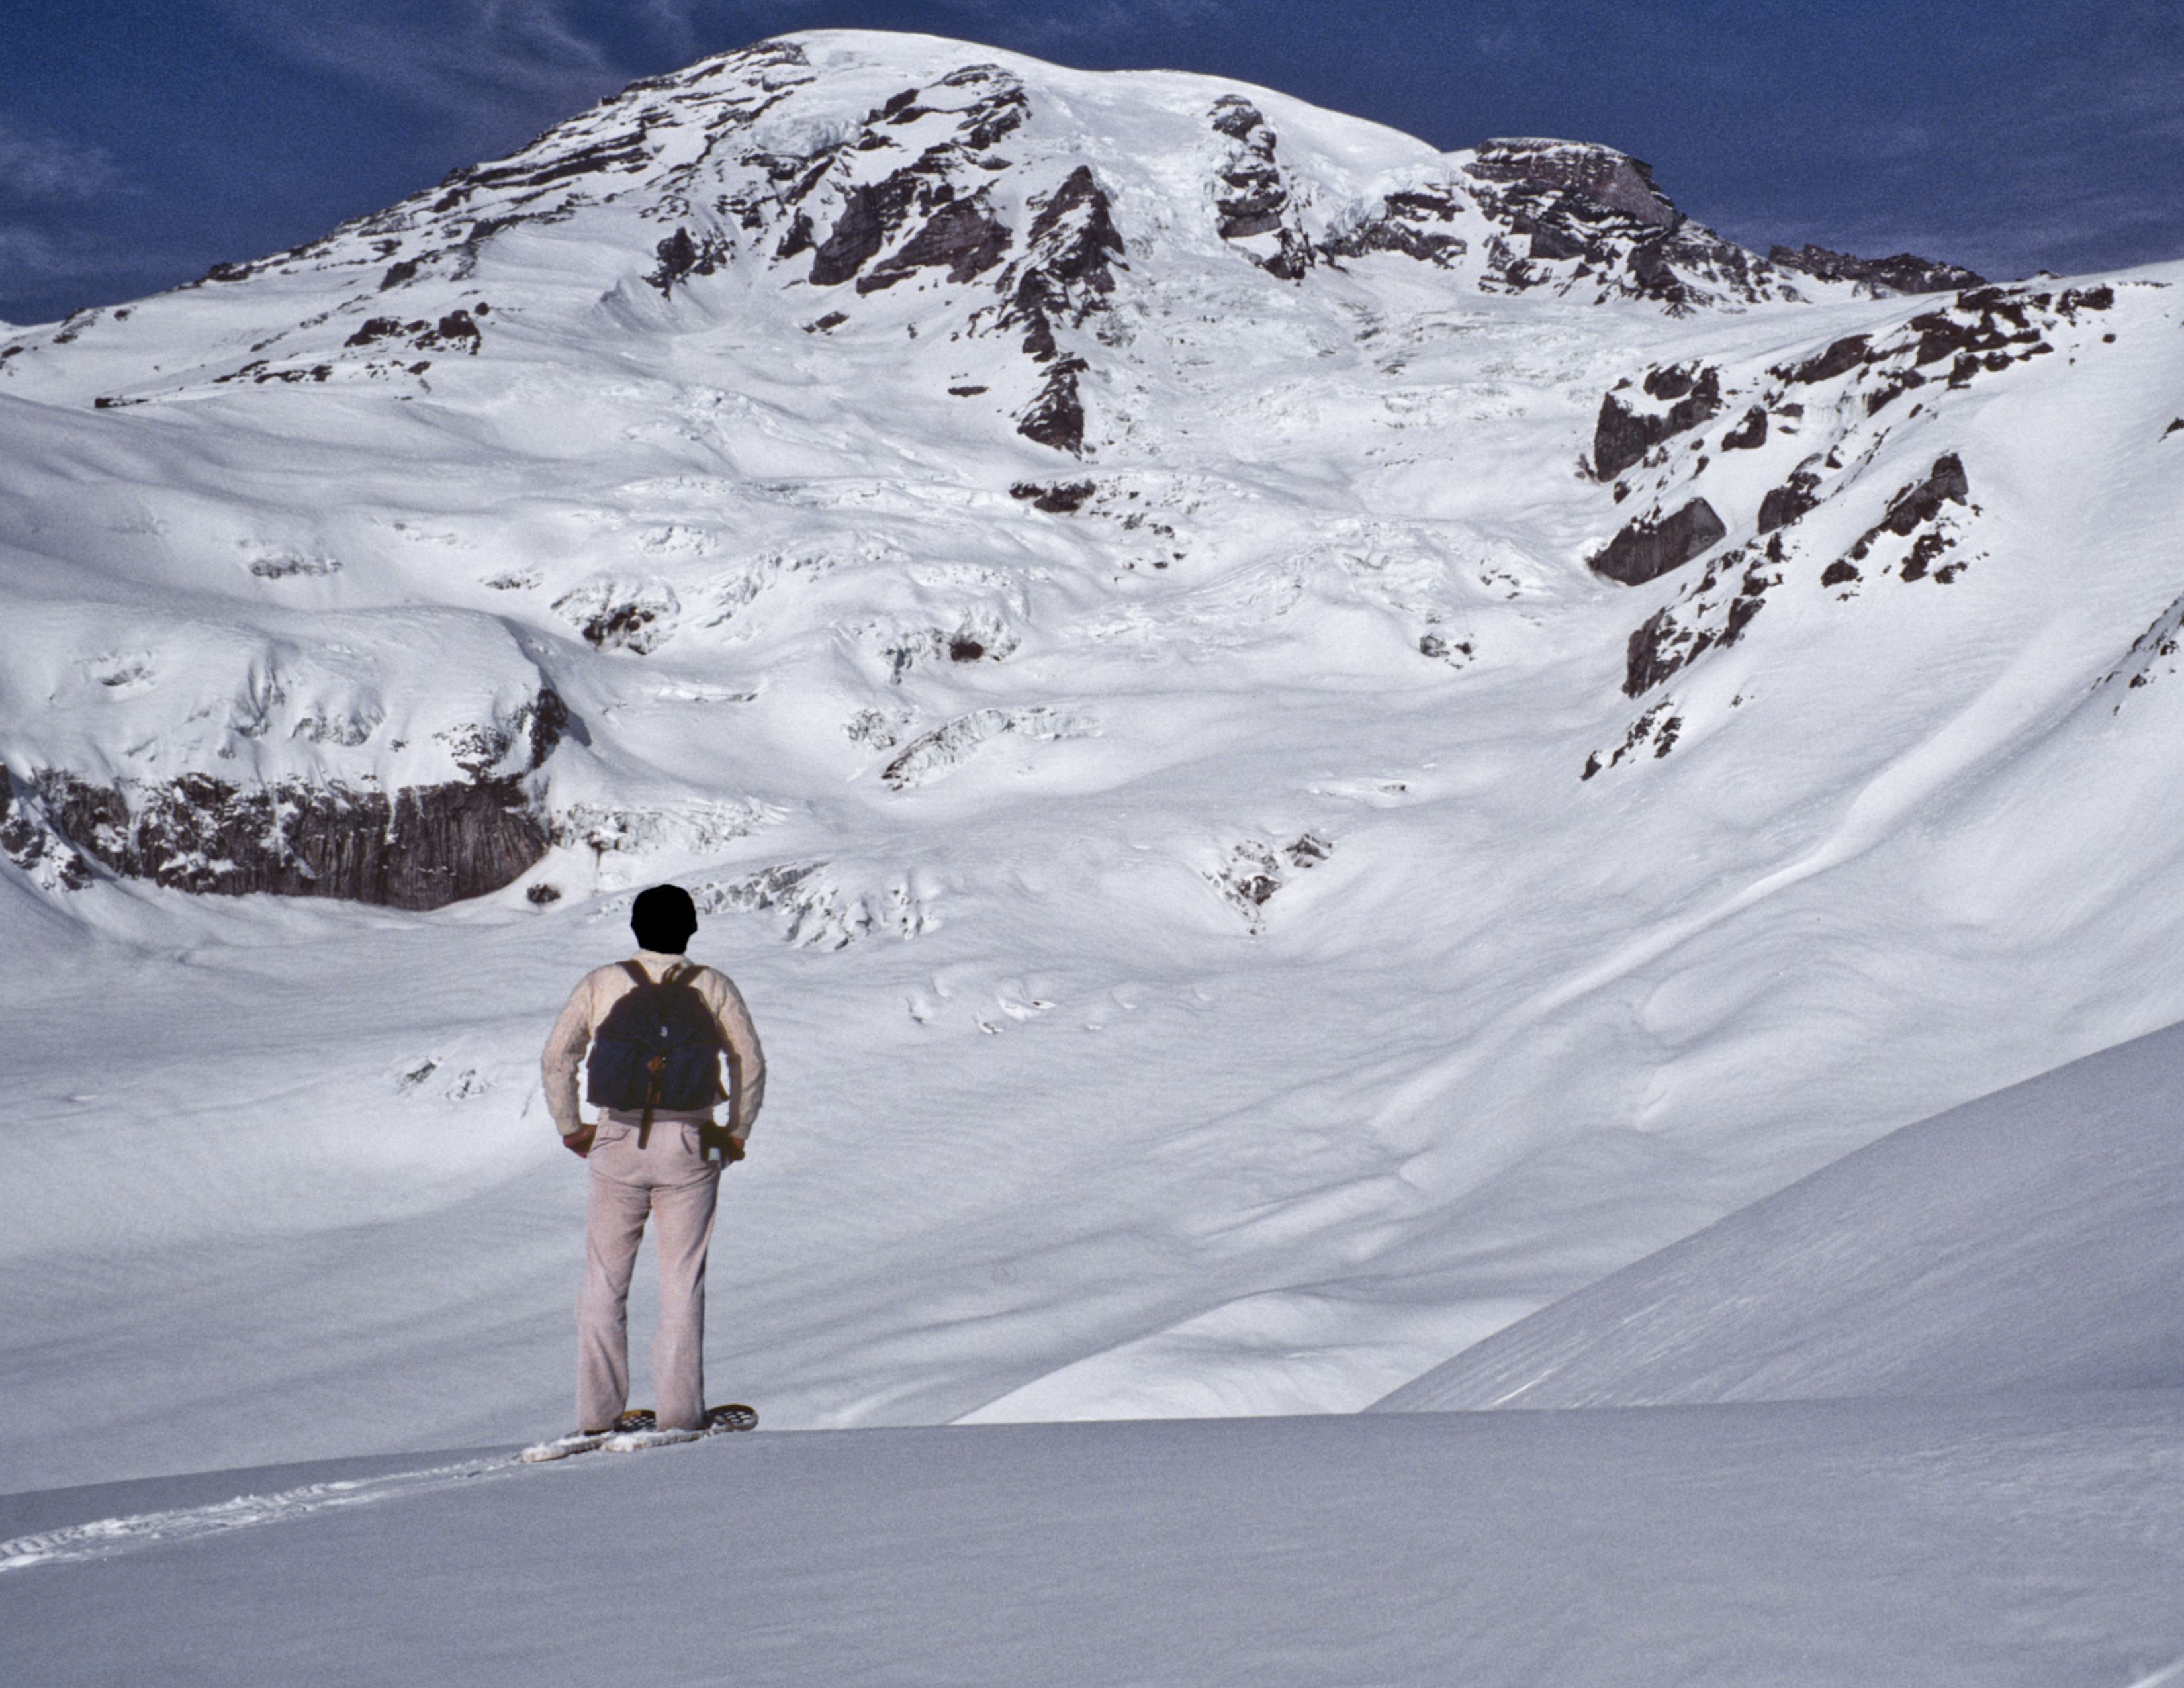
(1056, 417)
(1656, 648)
(2176, 426)
(622, 153)
(1666, 643)
(378, 328)
(1645, 550)
(1891, 383)
(1588, 220)
(34, 846)
(870, 211)
(1750, 434)
(1401, 226)
(1066, 274)
(1061, 498)
(1841, 572)
(1912, 508)
(421, 848)
(1236, 117)
(1621, 435)
(457, 329)
(963, 236)
(1785, 504)
(1925, 551)
(1923, 502)
(681, 257)
(1608, 178)
(398, 273)
(1255, 198)
(1904, 273)
(1255, 202)
(1841, 355)
(615, 617)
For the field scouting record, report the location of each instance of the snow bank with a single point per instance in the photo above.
(2033, 1239)
(1980, 1544)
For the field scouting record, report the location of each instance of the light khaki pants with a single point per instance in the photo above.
(671, 1182)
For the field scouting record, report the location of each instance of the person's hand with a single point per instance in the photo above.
(579, 1143)
(735, 1151)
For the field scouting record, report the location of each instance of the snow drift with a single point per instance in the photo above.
(2033, 1239)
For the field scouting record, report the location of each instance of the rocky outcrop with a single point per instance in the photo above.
(418, 848)
(1983, 330)
(1417, 222)
(1750, 434)
(1922, 502)
(621, 614)
(1253, 199)
(963, 237)
(1586, 221)
(1917, 507)
(31, 843)
(933, 753)
(1785, 504)
(1577, 170)
(1622, 434)
(1646, 550)
(1064, 276)
(1904, 273)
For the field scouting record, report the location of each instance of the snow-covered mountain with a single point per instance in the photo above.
(677, 254)
(1301, 744)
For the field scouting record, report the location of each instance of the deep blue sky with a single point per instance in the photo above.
(142, 140)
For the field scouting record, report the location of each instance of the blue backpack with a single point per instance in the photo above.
(659, 1047)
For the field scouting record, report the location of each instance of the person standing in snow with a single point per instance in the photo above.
(650, 1034)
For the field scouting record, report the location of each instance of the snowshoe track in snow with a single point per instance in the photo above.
(103, 1538)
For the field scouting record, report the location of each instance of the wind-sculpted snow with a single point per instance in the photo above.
(1088, 576)
(2030, 1240)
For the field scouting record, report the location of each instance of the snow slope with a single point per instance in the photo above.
(2021, 1523)
(2033, 1239)
(1239, 909)
(1974, 1543)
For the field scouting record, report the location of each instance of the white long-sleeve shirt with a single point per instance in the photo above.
(595, 997)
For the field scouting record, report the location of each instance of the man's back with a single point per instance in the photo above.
(594, 1000)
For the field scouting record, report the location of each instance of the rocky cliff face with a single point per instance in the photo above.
(1905, 273)
(420, 848)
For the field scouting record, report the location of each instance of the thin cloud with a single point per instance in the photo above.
(502, 59)
(34, 166)
(471, 57)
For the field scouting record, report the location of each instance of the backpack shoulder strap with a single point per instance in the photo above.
(638, 973)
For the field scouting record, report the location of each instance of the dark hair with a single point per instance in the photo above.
(663, 918)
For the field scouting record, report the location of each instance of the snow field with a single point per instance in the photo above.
(1972, 1542)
